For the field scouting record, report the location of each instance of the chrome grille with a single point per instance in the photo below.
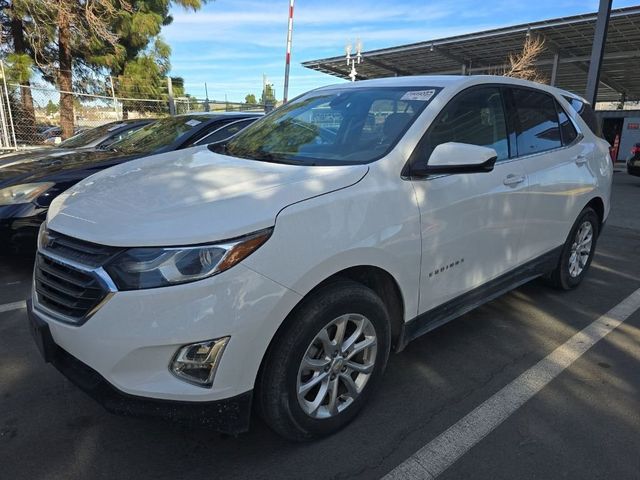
(68, 278)
(85, 253)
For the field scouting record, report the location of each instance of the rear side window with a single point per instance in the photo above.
(567, 129)
(538, 127)
(586, 112)
(475, 117)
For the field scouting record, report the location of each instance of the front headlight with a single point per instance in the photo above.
(24, 193)
(151, 267)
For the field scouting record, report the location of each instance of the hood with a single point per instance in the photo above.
(30, 155)
(8, 158)
(52, 164)
(188, 197)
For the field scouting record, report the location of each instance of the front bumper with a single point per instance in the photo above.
(19, 226)
(230, 415)
(130, 340)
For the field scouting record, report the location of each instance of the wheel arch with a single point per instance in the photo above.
(377, 279)
(597, 204)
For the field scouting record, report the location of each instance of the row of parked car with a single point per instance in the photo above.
(30, 180)
(274, 269)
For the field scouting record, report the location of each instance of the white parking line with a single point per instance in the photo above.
(7, 307)
(439, 454)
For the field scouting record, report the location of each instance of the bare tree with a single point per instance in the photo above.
(523, 64)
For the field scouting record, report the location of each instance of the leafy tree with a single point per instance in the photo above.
(70, 41)
(268, 95)
(250, 99)
(51, 108)
(19, 63)
(61, 33)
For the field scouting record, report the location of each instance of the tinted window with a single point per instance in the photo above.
(159, 134)
(225, 132)
(567, 129)
(332, 126)
(538, 122)
(475, 117)
(586, 113)
(92, 135)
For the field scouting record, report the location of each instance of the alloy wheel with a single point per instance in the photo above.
(581, 249)
(336, 366)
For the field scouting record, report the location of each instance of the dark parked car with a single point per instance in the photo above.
(633, 162)
(99, 137)
(28, 187)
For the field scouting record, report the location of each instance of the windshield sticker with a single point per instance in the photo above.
(193, 123)
(421, 95)
(115, 127)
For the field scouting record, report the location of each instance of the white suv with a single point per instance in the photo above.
(280, 268)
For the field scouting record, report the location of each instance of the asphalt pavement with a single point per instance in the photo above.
(584, 424)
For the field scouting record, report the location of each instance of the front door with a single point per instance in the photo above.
(471, 223)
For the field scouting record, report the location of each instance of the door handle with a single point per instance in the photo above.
(513, 179)
(580, 159)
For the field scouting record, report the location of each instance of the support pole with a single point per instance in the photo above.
(287, 62)
(172, 104)
(597, 51)
(9, 114)
(115, 100)
(554, 69)
(4, 140)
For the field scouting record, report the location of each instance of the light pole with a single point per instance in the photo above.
(287, 64)
(352, 60)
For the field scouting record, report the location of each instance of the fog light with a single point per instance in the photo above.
(197, 363)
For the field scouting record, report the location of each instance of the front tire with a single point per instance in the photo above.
(325, 362)
(577, 252)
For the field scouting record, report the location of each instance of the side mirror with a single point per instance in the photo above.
(452, 157)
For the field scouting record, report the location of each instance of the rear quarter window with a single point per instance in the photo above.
(585, 110)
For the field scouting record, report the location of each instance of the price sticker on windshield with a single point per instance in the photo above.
(419, 95)
(193, 123)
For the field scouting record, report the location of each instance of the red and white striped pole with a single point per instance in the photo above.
(287, 64)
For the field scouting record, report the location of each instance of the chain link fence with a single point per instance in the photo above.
(30, 115)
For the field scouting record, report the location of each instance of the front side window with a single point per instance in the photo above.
(475, 117)
(538, 130)
(332, 127)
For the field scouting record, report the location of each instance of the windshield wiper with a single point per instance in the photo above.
(269, 157)
(257, 155)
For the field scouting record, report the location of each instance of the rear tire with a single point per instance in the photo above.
(577, 252)
(325, 362)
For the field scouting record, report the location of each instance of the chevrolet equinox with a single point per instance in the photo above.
(277, 270)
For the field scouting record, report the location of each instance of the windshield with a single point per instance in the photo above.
(90, 136)
(158, 134)
(332, 127)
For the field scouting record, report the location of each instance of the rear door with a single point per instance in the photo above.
(556, 163)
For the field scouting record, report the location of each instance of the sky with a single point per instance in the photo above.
(230, 44)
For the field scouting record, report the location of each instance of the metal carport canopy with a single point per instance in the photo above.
(568, 42)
